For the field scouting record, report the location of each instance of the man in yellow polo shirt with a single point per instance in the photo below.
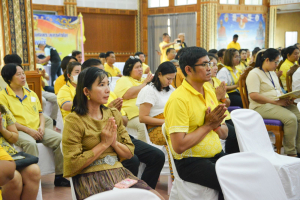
(146, 68)
(234, 44)
(25, 105)
(194, 122)
(171, 54)
(164, 45)
(109, 65)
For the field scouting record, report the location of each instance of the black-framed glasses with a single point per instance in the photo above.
(207, 64)
(277, 62)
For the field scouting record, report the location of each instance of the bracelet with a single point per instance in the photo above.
(11, 135)
(223, 100)
(216, 129)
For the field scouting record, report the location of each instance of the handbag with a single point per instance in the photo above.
(25, 161)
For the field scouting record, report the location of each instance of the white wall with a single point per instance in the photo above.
(114, 4)
(49, 2)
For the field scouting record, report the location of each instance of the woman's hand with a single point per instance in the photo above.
(221, 91)
(117, 103)
(106, 135)
(214, 118)
(114, 133)
(149, 78)
(282, 102)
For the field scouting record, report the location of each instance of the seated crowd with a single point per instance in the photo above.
(107, 133)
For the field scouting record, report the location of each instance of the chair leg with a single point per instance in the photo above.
(170, 183)
(278, 141)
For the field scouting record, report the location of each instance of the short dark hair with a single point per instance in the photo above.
(65, 61)
(190, 57)
(240, 51)
(108, 54)
(213, 51)
(164, 68)
(40, 44)
(235, 36)
(102, 55)
(129, 64)
(8, 71)
(255, 50)
(70, 68)
(75, 53)
(139, 53)
(212, 56)
(296, 45)
(229, 53)
(165, 34)
(90, 63)
(221, 53)
(86, 79)
(169, 50)
(270, 53)
(12, 58)
(288, 51)
(179, 53)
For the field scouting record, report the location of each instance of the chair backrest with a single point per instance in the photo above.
(249, 176)
(279, 65)
(243, 87)
(130, 193)
(251, 134)
(112, 82)
(252, 64)
(289, 77)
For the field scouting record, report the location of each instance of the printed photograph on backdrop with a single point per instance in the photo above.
(249, 27)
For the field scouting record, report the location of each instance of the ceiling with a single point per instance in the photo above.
(288, 8)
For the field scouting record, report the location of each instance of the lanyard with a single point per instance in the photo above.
(271, 79)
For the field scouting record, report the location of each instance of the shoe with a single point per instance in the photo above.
(54, 123)
(61, 182)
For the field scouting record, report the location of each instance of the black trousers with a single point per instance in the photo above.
(235, 99)
(153, 157)
(231, 144)
(200, 171)
(55, 70)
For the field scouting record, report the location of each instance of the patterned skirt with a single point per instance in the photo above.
(88, 184)
(156, 137)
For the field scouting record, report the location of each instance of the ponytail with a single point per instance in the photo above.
(262, 55)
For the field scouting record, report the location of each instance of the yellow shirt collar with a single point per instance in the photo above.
(10, 92)
(191, 89)
(69, 84)
(288, 62)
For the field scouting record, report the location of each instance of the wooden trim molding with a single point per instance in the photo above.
(59, 9)
(106, 11)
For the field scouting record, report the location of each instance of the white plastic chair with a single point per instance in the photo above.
(248, 176)
(252, 136)
(130, 193)
(120, 65)
(112, 82)
(166, 169)
(298, 105)
(183, 190)
(59, 120)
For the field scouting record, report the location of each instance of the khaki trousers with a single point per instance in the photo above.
(290, 117)
(51, 139)
(134, 123)
(52, 98)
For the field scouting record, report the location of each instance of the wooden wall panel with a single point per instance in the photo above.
(34, 82)
(120, 57)
(109, 33)
(59, 9)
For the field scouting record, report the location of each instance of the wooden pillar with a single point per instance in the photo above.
(70, 7)
(138, 25)
(208, 24)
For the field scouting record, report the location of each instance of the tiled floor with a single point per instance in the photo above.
(50, 192)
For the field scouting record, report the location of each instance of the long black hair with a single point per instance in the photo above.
(164, 68)
(288, 51)
(86, 79)
(261, 56)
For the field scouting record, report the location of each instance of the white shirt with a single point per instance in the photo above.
(296, 82)
(158, 100)
(224, 75)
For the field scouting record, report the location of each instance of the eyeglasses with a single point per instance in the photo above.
(208, 64)
(277, 62)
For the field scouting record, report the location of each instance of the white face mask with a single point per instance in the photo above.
(75, 79)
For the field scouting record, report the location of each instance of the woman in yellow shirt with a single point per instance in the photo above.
(60, 81)
(25, 184)
(66, 94)
(248, 56)
(128, 88)
(290, 57)
(231, 75)
(219, 88)
(94, 139)
(243, 62)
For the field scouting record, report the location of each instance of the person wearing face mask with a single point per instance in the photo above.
(66, 94)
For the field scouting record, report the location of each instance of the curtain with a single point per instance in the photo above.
(178, 23)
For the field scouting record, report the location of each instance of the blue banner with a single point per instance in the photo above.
(249, 27)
